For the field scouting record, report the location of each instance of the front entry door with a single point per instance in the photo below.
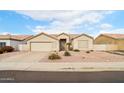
(62, 44)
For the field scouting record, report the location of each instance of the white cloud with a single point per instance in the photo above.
(105, 26)
(7, 33)
(108, 28)
(51, 30)
(115, 31)
(65, 21)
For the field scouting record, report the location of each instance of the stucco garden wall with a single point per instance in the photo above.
(121, 44)
(24, 47)
(105, 47)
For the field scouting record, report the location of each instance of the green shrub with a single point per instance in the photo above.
(68, 45)
(87, 51)
(91, 50)
(7, 49)
(54, 56)
(76, 50)
(66, 53)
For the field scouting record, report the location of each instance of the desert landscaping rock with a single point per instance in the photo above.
(82, 56)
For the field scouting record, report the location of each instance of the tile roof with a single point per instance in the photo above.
(116, 36)
(71, 35)
(26, 37)
(15, 37)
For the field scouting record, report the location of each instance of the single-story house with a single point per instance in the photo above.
(114, 41)
(57, 42)
(13, 40)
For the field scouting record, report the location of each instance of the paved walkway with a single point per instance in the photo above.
(37, 66)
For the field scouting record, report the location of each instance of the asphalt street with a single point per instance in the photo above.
(61, 77)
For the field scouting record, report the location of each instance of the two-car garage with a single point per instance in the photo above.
(41, 46)
(43, 42)
(83, 44)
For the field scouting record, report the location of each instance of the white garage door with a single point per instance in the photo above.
(41, 46)
(83, 44)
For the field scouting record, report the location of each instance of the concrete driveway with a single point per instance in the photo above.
(22, 56)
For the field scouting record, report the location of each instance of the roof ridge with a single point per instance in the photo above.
(113, 33)
(116, 36)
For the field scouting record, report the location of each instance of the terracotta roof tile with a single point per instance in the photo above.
(26, 37)
(71, 35)
(20, 37)
(15, 37)
(116, 36)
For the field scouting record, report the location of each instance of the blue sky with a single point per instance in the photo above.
(34, 22)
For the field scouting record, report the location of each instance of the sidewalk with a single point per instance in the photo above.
(78, 66)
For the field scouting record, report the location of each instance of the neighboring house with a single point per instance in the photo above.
(54, 42)
(13, 40)
(114, 41)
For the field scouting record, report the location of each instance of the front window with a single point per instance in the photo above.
(2, 44)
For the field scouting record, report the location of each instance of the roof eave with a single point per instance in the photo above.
(41, 34)
(82, 35)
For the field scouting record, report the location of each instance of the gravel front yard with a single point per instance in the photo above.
(82, 56)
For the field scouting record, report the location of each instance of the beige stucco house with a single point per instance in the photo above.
(57, 42)
(112, 41)
(13, 40)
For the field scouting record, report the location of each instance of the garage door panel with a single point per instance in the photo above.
(41, 46)
(83, 44)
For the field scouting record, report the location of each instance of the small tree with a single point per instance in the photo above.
(68, 46)
(66, 53)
